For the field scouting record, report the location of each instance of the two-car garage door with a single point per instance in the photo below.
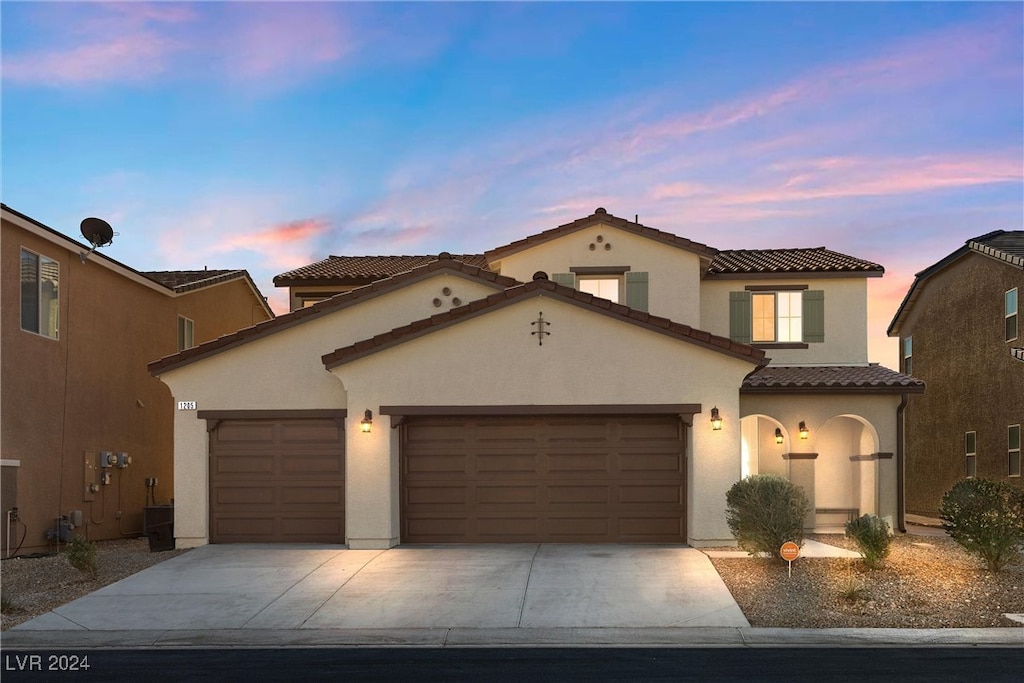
(570, 478)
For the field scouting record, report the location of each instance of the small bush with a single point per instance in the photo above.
(764, 511)
(7, 605)
(871, 534)
(987, 518)
(82, 556)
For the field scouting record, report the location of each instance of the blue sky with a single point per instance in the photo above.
(268, 135)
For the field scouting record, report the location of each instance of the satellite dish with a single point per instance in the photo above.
(97, 231)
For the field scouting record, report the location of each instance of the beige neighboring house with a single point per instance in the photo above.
(561, 388)
(77, 334)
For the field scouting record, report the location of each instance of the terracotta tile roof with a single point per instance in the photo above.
(830, 379)
(185, 280)
(600, 216)
(326, 307)
(548, 287)
(1006, 246)
(348, 270)
(803, 261)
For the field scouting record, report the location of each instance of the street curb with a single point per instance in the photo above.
(703, 637)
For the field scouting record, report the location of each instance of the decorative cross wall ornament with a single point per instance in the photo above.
(540, 322)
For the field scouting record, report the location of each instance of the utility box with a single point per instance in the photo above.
(158, 522)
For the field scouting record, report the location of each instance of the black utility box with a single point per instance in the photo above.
(158, 521)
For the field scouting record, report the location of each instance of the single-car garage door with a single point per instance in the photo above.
(557, 479)
(277, 481)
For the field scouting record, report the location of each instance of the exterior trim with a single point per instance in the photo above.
(781, 345)
(215, 417)
(871, 456)
(538, 288)
(834, 390)
(799, 456)
(599, 270)
(776, 288)
(684, 409)
(326, 307)
(794, 275)
(10, 463)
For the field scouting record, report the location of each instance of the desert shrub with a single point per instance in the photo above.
(987, 518)
(82, 556)
(764, 511)
(7, 605)
(871, 534)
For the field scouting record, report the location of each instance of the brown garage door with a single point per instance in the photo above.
(567, 479)
(277, 481)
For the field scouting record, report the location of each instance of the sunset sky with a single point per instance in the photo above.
(266, 136)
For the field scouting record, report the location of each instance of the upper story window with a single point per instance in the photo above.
(615, 283)
(40, 288)
(186, 332)
(908, 355)
(1010, 301)
(604, 287)
(777, 315)
(971, 453)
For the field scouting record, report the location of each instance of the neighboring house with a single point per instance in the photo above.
(960, 330)
(602, 381)
(77, 335)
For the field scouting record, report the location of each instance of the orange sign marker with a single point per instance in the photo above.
(789, 551)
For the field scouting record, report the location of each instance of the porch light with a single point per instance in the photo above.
(366, 424)
(803, 429)
(778, 435)
(716, 419)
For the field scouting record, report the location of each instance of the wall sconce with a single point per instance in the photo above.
(366, 424)
(778, 435)
(716, 419)
(803, 429)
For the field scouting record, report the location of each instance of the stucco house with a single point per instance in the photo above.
(77, 400)
(959, 329)
(601, 381)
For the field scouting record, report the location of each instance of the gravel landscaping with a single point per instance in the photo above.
(926, 582)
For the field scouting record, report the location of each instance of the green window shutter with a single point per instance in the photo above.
(636, 290)
(814, 316)
(740, 317)
(567, 279)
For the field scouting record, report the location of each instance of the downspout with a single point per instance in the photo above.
(901, 514)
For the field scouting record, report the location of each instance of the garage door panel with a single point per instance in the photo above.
(436, 495)
(491, 463)
(315, 464)
(290, 488)
(651, 493)
(506, 495)
(579, 462)
(437, 464)
(583, 479)
(244, 464)
(574, 495)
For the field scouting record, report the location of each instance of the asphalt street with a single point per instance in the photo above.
(519, 664)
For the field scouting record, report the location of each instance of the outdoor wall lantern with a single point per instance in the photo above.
(366, 424)
(803, 429)
(778, 435)
(716, 419)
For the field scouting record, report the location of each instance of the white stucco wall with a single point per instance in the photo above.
(283, 371)
(493, 360)
(846, 319)
(674, 273)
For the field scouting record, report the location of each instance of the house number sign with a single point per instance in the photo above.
(186, 405)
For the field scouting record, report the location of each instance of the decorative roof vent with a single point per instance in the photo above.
(444, 255)
(540, 275)
(600, 210)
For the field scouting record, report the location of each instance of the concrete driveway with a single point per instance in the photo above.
(277, 587)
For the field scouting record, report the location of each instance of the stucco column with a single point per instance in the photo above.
(800, 471)
(370, 517)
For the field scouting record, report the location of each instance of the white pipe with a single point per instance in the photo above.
(8, 534)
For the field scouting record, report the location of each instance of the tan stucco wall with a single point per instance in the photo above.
(674, 274)
(835, 434)
(493, 360)
(284, 371)
(67, 399)
(846, 316)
